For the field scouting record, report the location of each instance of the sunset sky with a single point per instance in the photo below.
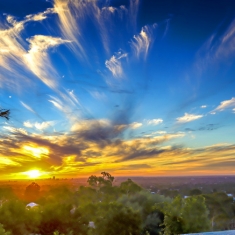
(134, 88)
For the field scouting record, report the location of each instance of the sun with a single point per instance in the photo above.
(33, 173)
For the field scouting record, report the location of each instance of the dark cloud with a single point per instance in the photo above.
(135, 166)
(188, 161)
(189, 129)
(209, 127)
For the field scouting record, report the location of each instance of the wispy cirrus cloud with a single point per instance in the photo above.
(13, 47)
(188, 118)
(114, 64)
(216, 50)
(226, 104)
(73, 16)
(141, 43)
(28, 107)
(38, 60)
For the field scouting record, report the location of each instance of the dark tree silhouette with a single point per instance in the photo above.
(5, 113)
(32, 192)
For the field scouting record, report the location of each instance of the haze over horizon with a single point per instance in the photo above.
(130, 87)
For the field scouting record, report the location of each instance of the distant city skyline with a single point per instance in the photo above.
(130, 87)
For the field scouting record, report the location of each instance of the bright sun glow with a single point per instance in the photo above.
(37, 152)
(33, 173)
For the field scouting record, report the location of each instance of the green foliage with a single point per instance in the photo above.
(6, 193)
(169, 193)
(3, 231)
(104, 209)
(129, 187)
(194, 192)
(105, 180)
(57, 217)
(114, 218)
(221, 209)
(188, 215)
(12, 216)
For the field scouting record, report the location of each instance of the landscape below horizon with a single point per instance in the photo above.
(129, 87)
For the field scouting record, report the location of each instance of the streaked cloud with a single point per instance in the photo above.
(28, 107)
(142, 42)
(154, 121)
(114, 64)
(38, 60)
(226, 104)
(13, 47)
(135, 125)
(188, 118)
(217, 49)
(204, 106)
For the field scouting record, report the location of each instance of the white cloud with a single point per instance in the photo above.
(135, 125)
(40, 126)
(203, 106)
(188, 118)
(71, 16)
(13, 48)
(40, 16)
(142, 42)
(15, 130)
(110, 9)
(225, 105)
(161, 132)
(28, 124)
(38, 60)
(154, 121)
(84, 125)
(57, 103)
(28, 107)
(43, 125)
(114, 64)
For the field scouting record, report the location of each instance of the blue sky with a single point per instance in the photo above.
(130, 87)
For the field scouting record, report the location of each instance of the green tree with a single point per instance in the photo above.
(105, 180)
(114, 218)
(13, 216)
(3, 231)
(129, 187)
(195, 191)
(188, 215)
(221, 210)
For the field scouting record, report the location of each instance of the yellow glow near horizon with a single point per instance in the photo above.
(36, 151)
(33, 173)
